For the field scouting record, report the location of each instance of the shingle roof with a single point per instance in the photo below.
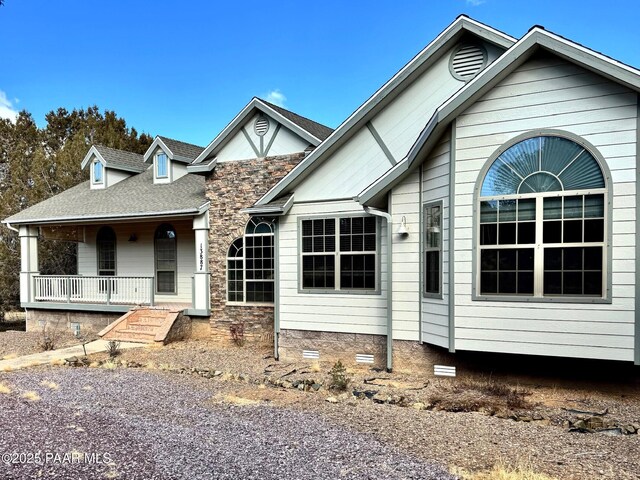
(314, 128)
(120, 159)
(132, 197)
(182, 149)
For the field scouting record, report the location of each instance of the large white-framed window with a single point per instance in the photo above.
(162, 165)
(251, 264)
(542, 222)
(339, 254)
(433, 249)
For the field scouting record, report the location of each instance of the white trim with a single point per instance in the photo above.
(237, 123)
(396, 84)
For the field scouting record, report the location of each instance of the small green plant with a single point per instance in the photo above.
(113, 348)
(339, 378)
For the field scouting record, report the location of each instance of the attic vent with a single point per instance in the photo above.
(467, 61)
(261, 126)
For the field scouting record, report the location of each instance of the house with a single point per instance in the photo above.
(482, 200)
(157, 229)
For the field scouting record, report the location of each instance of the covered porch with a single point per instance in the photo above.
(122, 264)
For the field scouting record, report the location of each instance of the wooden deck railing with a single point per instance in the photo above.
(95, 290)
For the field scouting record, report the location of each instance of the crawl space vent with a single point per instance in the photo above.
(467, 61)
(261, 126)
(444, 371)
(364, 358)
(311, 354)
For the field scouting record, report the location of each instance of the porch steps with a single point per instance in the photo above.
(142, 325)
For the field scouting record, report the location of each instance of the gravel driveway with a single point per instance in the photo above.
(150, 425)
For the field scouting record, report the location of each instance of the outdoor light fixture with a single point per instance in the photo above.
(402, 229)
(133, 237)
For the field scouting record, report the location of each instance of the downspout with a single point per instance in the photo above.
(11, 228)
(387, 217)
(276, 298)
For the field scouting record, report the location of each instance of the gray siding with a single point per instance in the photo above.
(138, 258)
(435, 187)
(331, 311)
(547, 92)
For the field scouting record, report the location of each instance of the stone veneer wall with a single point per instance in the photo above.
(407, 356)
(231, 187)
(61, 320)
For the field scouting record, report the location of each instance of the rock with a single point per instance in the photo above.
(286, 384)
(301, 386)
(537, 416)
(525, 418)
(595, 423)
(217, 373)
(364, 393)
(613, 432)
(579, 425)
(418, 406)
(332, 400)
(316, 386)
(71, 360)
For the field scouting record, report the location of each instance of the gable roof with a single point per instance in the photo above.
(311, 131)
(134, 197)
(534, 40)
(383, 96)
(175, 149)
(115, 159)
(316, 129)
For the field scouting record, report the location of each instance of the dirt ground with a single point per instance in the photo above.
(566, 426)
(465, 423)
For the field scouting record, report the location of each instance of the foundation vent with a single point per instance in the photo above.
(444, 371)
(311, 354)
(467, 61)
(364, 358)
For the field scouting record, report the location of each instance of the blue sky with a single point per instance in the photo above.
(184, 69)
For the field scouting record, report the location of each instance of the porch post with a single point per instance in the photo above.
(28, 262)
(201, 280)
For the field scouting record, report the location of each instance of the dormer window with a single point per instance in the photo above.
(98, 173)
(162, 170)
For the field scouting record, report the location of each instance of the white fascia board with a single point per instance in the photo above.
(536, 37)
(117, 217)
(157, 142)
(267, 210)
(239, 120)
(93, 151)
(367, 109)
(202, 167)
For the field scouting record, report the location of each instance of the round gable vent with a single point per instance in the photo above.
(467, 61)
(261, 126)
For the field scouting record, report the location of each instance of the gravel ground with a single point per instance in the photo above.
(155, 425)
(15, 344)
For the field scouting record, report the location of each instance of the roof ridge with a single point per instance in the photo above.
(277, 107)
(179, 141)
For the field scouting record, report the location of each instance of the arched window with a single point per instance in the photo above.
(166, 255)
(542, 221)
(106, 251)
(250, 264)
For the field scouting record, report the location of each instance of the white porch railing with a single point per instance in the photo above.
(96, 290)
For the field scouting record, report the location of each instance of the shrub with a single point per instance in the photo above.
(237, 333)
(339, 378)
(113, 348)
(48, 337)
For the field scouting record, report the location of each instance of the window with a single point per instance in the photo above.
(161, 166)
(106, 249)
(339, 253)
(98, 172)
(106, 252)
(433, 249)
(250, 264)
(166, 258)
(542, 222)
